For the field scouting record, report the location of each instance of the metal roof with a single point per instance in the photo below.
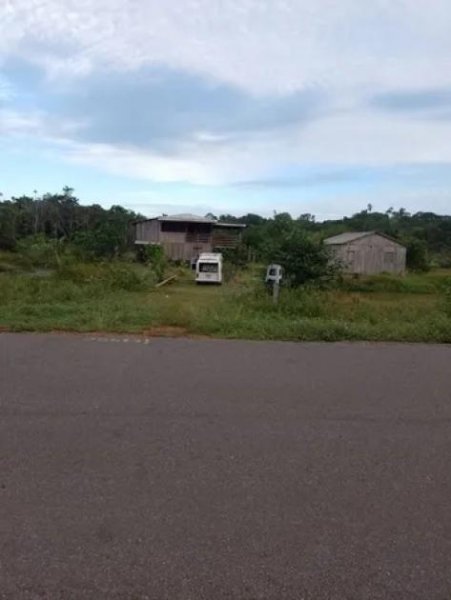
(186, 217)
(345, 238)
(190, 218)
(351, 236)
(232, 225)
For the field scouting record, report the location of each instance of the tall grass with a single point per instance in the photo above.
(330, 316)
(123, 298)
(107, 276)
(412, 283)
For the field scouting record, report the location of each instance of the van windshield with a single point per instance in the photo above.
(208, 267)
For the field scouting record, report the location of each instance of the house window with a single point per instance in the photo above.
(173, 227)
(198, 233)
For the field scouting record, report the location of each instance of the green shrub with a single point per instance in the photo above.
(154, 256)
(417, 255)
(109, 276)
(123, 278)
(41, 251)
(237, 257)
(303, 258)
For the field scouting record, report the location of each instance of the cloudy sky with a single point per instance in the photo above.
(228, 105)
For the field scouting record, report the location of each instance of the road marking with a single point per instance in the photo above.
(114, 340)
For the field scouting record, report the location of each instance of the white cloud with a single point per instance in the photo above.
(349, 140)
(370, 138)
(18, 123)
(260, 45)
(351, 48)
(141, 165)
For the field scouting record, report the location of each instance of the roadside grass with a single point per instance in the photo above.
(412, 283)
(13, 262)
(336, 317)
(120, 297)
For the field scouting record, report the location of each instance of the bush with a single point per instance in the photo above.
(237, 257)
(123, 278)
(417, 255)
(109, 276)
(153, 256)
(303, 259)
(443, 261)
(41, 251)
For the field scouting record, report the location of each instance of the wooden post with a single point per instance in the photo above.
(165, 281)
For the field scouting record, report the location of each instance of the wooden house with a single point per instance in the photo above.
(184, 237)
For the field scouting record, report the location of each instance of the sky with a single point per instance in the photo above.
(228, 106)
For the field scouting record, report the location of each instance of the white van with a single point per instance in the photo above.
(209, 268)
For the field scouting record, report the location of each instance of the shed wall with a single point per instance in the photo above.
(371, 255)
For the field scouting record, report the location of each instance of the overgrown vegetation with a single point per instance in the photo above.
(95, 233)
(64, 266)
(304, 259)
(426, 235)
(153, 256)
(92, 231)
(121, 297)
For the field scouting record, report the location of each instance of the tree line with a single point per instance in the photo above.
(93, 230)
(97, 232)
(426, 235)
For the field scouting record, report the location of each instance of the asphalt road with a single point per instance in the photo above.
(191, 470)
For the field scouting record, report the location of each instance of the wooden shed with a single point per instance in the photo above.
(368, 253)
(185, 236)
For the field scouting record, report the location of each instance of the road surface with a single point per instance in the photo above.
(190, 470)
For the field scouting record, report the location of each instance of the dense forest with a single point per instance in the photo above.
(93, 230)
(97, 232)
(426, 235)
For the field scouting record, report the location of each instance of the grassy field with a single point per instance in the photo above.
(123, 298)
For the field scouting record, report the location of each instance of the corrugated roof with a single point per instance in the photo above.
(351, 236)
(186, 217)
(190, 218)
(231, 225)
(345, 238)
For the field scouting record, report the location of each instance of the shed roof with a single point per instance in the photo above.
(352, 236)
(348, 236)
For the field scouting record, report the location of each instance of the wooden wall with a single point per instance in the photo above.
(147, 231)
(189, 241)
(184, 250)
(371, 255)
(178, 245)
